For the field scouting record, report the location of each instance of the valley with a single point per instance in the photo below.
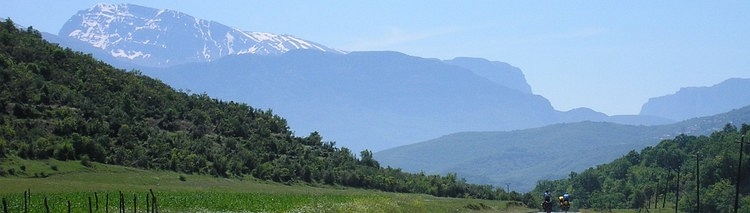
(128, 97)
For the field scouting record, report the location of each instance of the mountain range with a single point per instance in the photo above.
(376, 100)
(363, 100)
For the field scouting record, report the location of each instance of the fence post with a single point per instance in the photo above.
(68, 206)
(154, 207)
(46, 205)
(5, 205)
(96, 198)
(90, 209)
(106, 203)
(122, 203)
(26, 201)
(135, 201)
(147, 202)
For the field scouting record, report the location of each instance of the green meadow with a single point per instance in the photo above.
(63, 181)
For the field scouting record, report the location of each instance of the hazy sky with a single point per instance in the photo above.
(610, 56)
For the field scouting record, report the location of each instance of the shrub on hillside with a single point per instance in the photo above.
(86, 161)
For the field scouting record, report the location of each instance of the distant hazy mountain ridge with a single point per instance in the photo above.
(499, 72)
(372, 100)
(154, 37)
(694, 102)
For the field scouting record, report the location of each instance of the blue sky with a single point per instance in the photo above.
(610, 56)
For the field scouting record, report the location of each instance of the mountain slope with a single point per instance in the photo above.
(693, 102)
(372, 100)
(352, 96)
(380, 99)
(61, 104)
(153, 37)
(522, 157)
(499, 72)
(397, 98)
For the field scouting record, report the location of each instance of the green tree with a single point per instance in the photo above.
(366, 159)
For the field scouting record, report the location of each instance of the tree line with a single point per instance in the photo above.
(62, 104)
(677, 171)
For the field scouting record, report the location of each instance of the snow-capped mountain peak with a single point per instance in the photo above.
(162, 37)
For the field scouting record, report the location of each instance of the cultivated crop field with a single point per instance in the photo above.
(69, 181)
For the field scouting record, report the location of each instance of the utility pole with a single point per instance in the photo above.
(656, 202)
(677, 191)
(739, 170)
(666, 189)
(698, 179)
(508, 187)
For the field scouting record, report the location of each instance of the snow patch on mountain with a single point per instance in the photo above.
(129, 54)
(162, 37)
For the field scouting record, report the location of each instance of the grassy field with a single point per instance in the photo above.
(665, 210)
(61, 182)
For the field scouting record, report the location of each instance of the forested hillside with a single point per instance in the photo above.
(523, 157)
(61, 104)
(688, 166)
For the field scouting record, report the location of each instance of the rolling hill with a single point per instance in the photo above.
(688, 173)
(523, 157)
